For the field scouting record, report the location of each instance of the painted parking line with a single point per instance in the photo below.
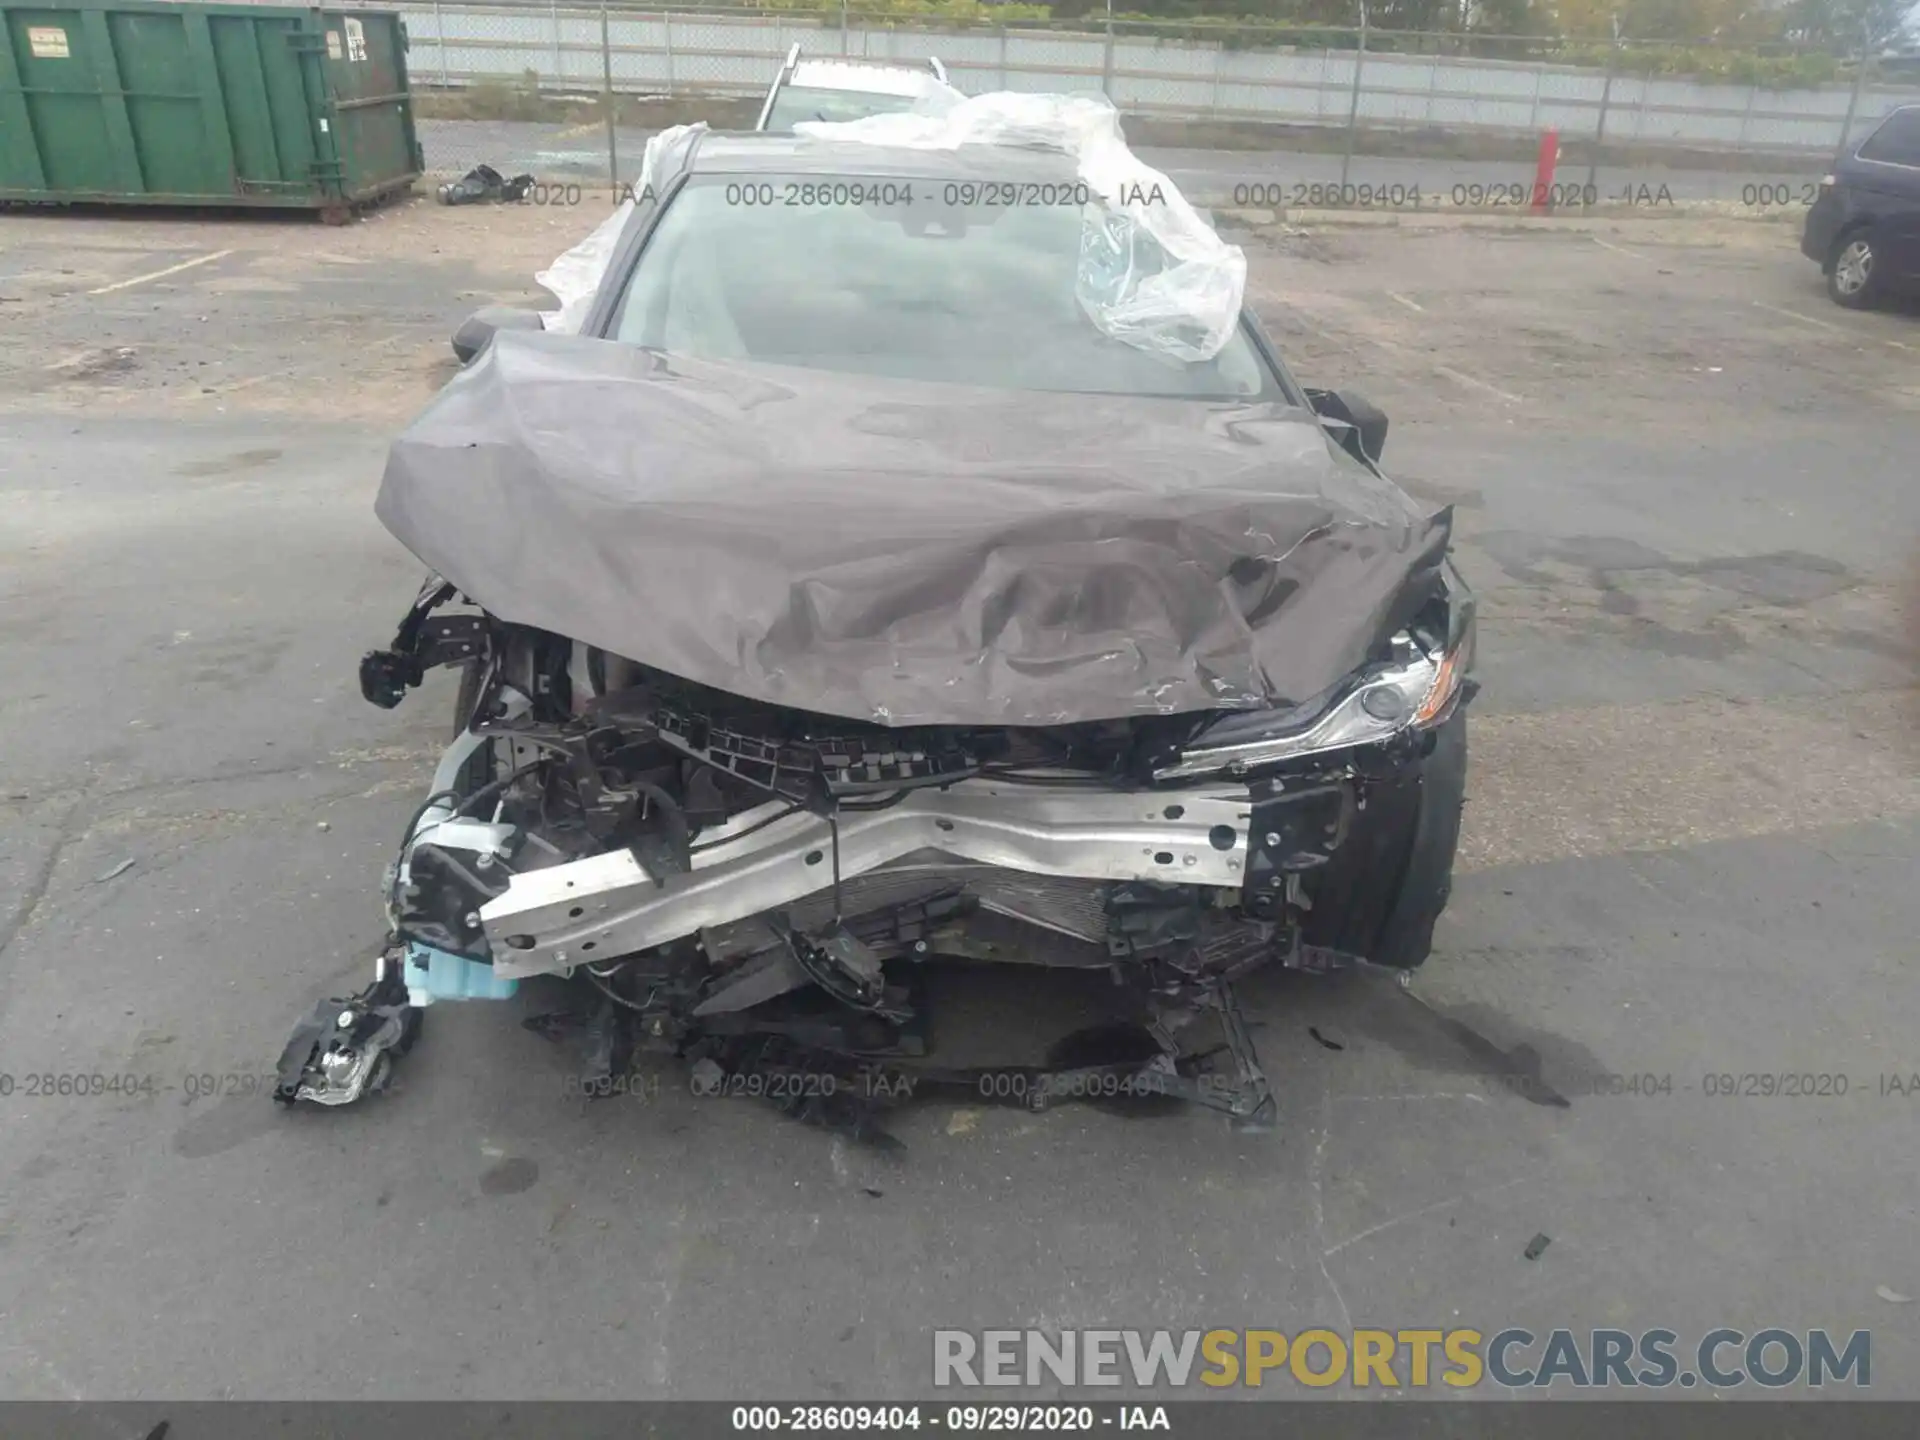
(1622, 250)
(161, 274)
(1345, 342)
(1796, 315)
(1829, 325)
(1477, 384)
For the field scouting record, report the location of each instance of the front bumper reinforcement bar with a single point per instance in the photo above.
(608, 905)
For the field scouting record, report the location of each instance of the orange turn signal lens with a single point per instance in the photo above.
(1445, 683)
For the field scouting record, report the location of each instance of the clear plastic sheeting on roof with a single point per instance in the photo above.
(575, 276)
(1152, 272)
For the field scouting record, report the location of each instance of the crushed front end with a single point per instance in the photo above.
(757, 888)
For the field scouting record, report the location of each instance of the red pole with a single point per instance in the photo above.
(1543, 172)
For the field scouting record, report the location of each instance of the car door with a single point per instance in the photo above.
(1887, 171)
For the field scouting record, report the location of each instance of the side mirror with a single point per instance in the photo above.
(479, 328)
(1363, 424)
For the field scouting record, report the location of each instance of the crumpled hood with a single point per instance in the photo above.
(905, 553)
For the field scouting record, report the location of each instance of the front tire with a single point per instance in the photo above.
(1853, 280)
(1386, 886)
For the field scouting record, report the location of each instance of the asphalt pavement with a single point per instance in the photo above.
(1692, 834)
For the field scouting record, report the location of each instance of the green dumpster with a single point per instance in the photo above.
(146, 103)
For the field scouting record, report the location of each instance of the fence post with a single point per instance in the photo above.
(1746, 118)
(440, 32)
(1640, 110)
(1606, 95)
(606, 97)
(1106, 61)
(1859, 78)
(1353, 107)
(1003, 57)
(666, 30)
(843, 28)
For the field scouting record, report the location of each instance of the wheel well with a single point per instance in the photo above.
(1847, 232)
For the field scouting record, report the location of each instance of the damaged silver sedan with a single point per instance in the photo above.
(867, 585)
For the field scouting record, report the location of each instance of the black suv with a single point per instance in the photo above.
(1864, 228)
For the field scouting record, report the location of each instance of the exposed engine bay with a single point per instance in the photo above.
(756, 888)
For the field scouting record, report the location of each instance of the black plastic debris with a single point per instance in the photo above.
(483, 183)
(1329, 1044)
(1537, 1245)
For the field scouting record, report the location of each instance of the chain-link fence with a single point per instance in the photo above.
(569, 92)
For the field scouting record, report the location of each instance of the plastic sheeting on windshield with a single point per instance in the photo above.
(1152, 273)
(575, 276)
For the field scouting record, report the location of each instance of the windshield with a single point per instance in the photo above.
(901, 278)
(795, 103)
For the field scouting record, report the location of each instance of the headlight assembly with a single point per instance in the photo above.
(1375, 705)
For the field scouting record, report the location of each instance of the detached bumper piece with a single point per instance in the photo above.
(344, 1050)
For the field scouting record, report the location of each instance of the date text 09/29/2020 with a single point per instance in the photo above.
(951, 1419)
(1329, 195)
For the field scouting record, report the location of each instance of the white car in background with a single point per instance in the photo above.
(846, 88)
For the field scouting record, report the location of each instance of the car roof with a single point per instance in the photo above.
(866, 77)
(755, 153)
